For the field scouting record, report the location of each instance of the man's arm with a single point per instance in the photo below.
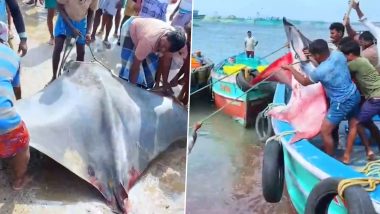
(17, 17)
(20, 26)
(134, 72)
(16, 84)
(371, 27)
(90, 20)
(17, 91)
(350, 31)
(163, 69)
(304, 80)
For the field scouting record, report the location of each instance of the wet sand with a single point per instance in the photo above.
(55, 189)
(224, 168)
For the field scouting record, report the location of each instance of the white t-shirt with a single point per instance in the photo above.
(250, 44)
(186, 5)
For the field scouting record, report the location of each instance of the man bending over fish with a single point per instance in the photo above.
(368, 81)
(14, 136)
(332, 72)
(148, 46)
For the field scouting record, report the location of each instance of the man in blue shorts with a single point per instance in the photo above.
(74, 20)
(332, 72)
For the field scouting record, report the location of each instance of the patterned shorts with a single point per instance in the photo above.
(14, 141)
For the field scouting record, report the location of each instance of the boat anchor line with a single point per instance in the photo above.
(218, 80)
(270, 107)
(271, 53)
(221, 64)
(372, 168)
(199, 124)
(369, 184)
(279, 136)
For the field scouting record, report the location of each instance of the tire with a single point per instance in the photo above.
(263, 127)
(273, 172)
(357, 199)
(241, 82)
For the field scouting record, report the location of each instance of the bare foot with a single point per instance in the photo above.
(19, 184)
(371, 156)
(99, 33)
(345, 159)
(107, 44)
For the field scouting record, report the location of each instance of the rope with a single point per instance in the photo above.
(372, 168)
(369, 184)
(199, 124)
(270, 107)
(98, 61)
(218, 80)
(286, 45)
(68, 48)
(219, 66)
(279, 136)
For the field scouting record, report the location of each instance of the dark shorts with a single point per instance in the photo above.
(250, 54)
(369, 109)
(345, 110)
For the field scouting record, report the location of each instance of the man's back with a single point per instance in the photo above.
(335, 77)
(9, 78)
(367, 77)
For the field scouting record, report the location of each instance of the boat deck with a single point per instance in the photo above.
(358, 156)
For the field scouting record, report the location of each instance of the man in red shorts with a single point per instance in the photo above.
(14, 136)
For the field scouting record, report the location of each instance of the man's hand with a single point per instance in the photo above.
(77, 33)
(88, 38)
(22, 48)
(288, 67)
(307, 54)
(355, 5)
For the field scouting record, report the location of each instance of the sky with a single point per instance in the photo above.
(308, 10)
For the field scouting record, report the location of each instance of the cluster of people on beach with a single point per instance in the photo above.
(348, 69)
(149, 45)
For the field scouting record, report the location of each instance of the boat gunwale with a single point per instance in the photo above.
(295, 151)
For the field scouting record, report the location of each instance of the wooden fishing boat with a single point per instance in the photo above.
(244, 105)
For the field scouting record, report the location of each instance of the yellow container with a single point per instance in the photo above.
(261, 68)
(230, 69)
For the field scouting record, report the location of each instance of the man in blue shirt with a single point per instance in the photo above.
(14, 136)
(333, 73)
